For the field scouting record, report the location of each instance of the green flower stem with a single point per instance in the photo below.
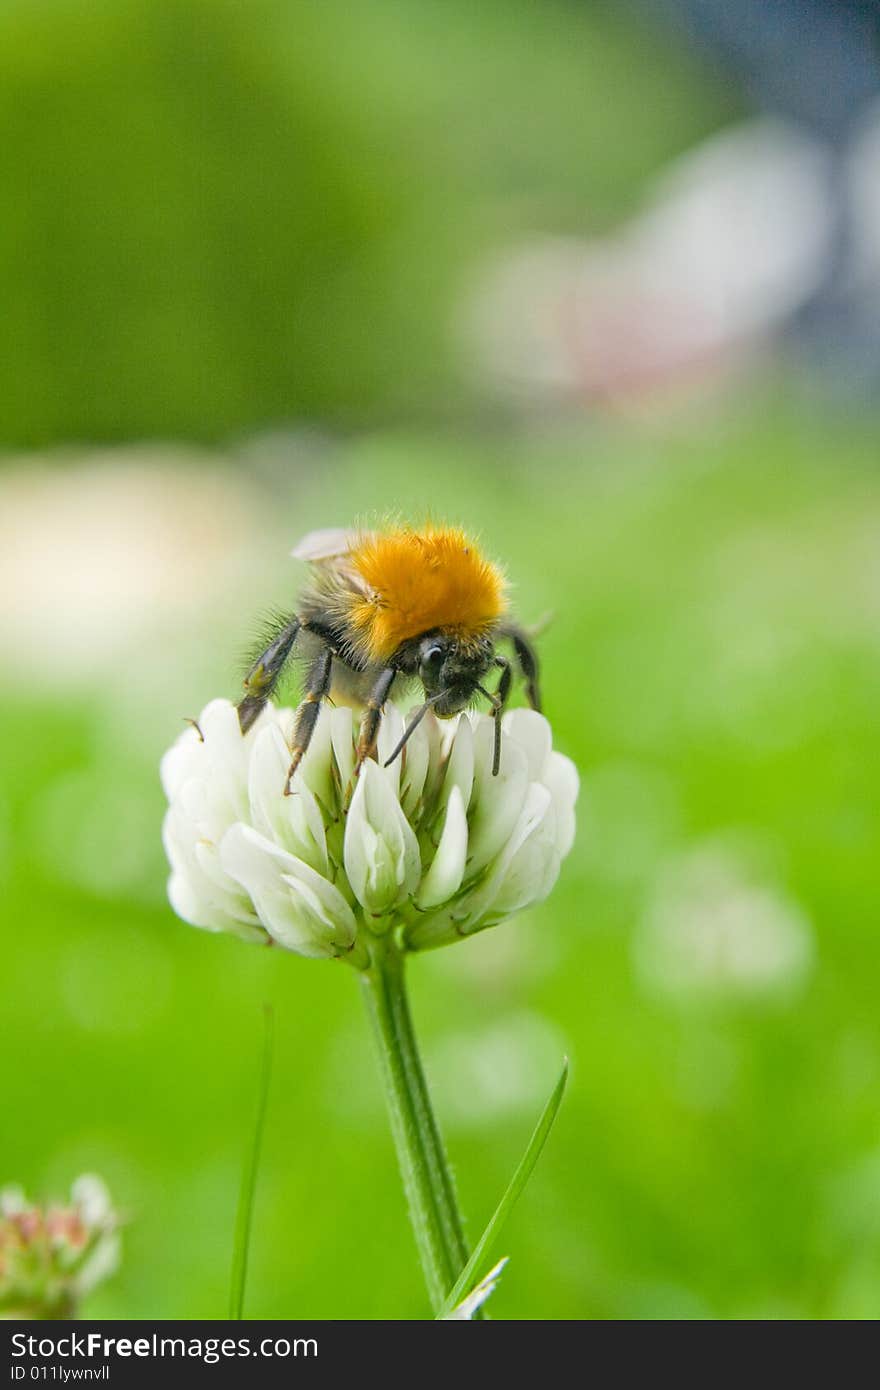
(427, 1180)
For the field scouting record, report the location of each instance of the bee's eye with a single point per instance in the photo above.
(430, 662)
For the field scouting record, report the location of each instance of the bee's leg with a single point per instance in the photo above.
(498, 702)
(527, 660)
(372, 717)
(317, 686)
(263, 676)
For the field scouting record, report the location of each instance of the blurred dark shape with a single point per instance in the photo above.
(815, 63)
(200, 229)
(760, 242)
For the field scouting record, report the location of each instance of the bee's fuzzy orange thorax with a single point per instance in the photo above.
(418, 580)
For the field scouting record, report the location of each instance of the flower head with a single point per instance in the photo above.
(433, 845)
(50, 1257)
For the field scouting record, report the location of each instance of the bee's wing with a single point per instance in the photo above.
(328, 551)
(331, 543)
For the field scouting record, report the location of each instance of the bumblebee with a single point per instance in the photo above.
(385, 609)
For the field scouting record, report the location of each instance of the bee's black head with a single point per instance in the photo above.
(451, 668)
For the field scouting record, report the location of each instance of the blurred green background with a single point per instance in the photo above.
(232, 238)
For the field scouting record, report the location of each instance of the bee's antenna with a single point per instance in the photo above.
(414, 724)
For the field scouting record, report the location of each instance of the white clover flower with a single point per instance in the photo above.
(433, 846)
(50, 1257)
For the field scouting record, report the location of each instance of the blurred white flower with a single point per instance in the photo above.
(51, 1257)
(719, 926)
(104, 552)
(433, 845)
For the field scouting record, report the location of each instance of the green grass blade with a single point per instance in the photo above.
(514, 1188)
(249, 1176)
